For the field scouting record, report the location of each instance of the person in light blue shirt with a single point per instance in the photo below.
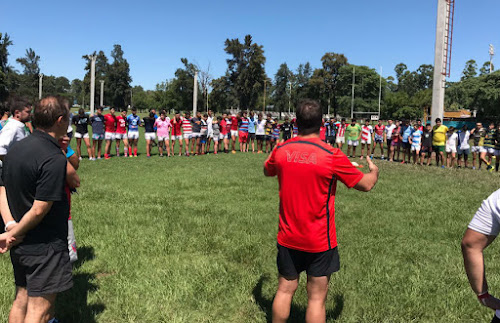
(406, 132)
(133, 121)
(252, 123)
(415, 140)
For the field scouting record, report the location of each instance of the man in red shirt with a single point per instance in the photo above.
(109, 135)
(308, 170)
(121, 133)
(234, 132)
(225, 129)
(176, 133)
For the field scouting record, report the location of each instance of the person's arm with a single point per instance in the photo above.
(270, 164)
(410, 140)
(30, 126)
(31, 219)
(369, 180)
(72, 178)
(4, 208)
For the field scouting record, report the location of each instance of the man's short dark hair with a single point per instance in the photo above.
(134, 109)
(309, 117)
(48, 110)
(438, 120)
(17, 104)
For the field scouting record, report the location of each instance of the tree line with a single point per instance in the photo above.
(246, 84)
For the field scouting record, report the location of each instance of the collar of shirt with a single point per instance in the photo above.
(46, 136)
(17, 123)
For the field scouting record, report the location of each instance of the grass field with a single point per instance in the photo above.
(194, 240)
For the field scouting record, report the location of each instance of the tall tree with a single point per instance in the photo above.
(29, 79)
(5, 69)
(282, 82)
(485, 69)
(332, 62)
(246, 70)
(119, 78)
(470, 70)
(183, 86)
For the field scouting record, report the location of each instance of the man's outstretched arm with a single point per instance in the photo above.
(369, 180)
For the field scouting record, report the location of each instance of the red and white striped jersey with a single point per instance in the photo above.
(366, 132)
(341, 130)
(186, 126)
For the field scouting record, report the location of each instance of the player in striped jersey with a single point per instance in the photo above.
(243, 131)
(340, 140)
(366, 138)
(415, 140)
(187, 130)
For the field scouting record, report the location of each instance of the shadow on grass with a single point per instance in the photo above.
(297, 313)
(72, 306)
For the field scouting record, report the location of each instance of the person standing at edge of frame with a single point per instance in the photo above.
(308, 170)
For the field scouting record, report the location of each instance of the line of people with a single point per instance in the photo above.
(192, 135)
(416, 142)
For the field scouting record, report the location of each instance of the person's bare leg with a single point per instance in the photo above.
(20, 306)
(283, 298)
(89, 147)
(117, 143)
(353, 151)
(39, 308)
(148, 148)
(99, 148)
(167, 144)
(160, 148)
(79, 147)
(317, 290)
(107, 149)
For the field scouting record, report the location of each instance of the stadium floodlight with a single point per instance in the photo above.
(102, 93)
(92, 81)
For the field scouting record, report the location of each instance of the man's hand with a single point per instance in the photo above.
(6, 242)
(371, 166)
(491, 302)
(64, 142)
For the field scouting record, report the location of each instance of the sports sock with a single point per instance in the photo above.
(135, 150)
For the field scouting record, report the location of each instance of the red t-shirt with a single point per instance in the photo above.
(234, 123)
(379, 130)
(308, 170)
(121, 125)
(322, 133)
(176, 127)
(223, 127)
(110, 123)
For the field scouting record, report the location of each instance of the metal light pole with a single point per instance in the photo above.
(102, 93)
(264, 106)
(492, 53)
(352, 99)
(92, 82)
(289, 97)
(380, 93)
(195, 93)
(40, 86)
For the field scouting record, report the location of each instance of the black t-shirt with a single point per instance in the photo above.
(81, 123)
(195, 125)
(286, 128)
(427, 138)
(35, 169)
(149, 124)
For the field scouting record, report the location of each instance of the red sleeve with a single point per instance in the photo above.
(270, 164)
(344, 171)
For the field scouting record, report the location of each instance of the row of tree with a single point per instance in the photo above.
(245, 85)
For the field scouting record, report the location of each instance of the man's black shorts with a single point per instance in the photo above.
(261, 137)
(330, 139)
(251, 136)
(286, 137)
(292, 262)
(406, 145)
(50, 273)
(389, 142)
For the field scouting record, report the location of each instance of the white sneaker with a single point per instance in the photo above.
(80, 158)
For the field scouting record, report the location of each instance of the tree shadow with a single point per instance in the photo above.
(72, 305)
(297, 312)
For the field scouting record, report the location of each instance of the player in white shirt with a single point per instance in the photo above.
(388, 135)
(15, 128)
(463, 146)
(451, 147)
(366, 138)
(260, 133)
(482, 230)
(210, 130)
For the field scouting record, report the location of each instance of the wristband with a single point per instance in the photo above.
(8, 224)
(482, 297)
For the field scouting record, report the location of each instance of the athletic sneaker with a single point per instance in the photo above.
(489, 168)
(474, 168)
(234, 151)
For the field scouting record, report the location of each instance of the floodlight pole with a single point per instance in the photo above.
(492, 53)
(352, 99)
(40, 86)
(439, 80)
(289, 97)
(195, 93)
(380, 93)
(102, 93)
(92, 82)
(264, 105)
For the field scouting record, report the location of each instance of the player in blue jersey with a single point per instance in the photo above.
(415, 140)
(133, 121)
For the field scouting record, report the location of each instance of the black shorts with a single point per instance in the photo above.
(251, 136)
(406, 145)
(426, 150)
(389, 142)
(292, 262)
(50, 273)
(269, 137)
(286, 137)
(261, 137)
(330, 139)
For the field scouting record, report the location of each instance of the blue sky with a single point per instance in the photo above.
(156, 34)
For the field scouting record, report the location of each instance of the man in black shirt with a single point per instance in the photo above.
(34, 176)
(286, 128)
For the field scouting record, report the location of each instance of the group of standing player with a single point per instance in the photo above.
(418, 142)
(193, 135)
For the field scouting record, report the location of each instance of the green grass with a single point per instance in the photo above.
(194, 240)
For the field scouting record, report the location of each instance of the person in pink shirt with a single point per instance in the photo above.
(163, 126)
